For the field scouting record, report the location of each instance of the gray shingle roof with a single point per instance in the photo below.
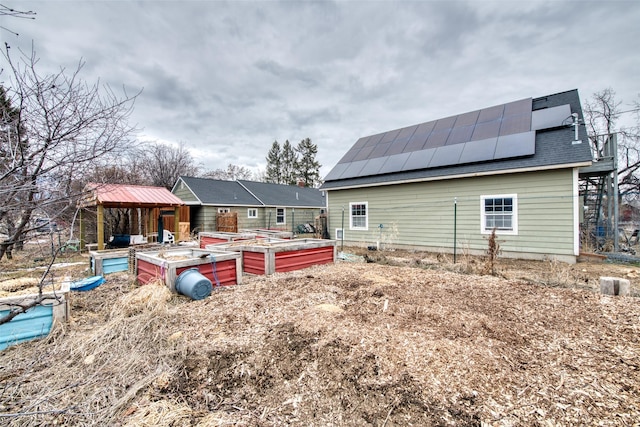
(552, 147)
(285, 195)
(251, 193)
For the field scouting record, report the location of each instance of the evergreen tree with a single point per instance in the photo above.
(308, 168)
(273, 173)
(289, 162)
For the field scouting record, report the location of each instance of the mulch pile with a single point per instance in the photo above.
(345, 344)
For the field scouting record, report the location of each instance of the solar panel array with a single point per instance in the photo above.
(498, 132)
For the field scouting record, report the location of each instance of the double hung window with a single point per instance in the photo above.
(499, 212)
(359, 216)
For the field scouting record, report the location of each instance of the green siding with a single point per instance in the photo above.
(183, 192)
(205, 218)
(422, 214)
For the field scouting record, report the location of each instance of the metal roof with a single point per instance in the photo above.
(129, 196)
(523, 135)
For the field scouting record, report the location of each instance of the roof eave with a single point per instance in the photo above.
(467, 175)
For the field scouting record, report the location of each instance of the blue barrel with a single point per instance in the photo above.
(193, 284)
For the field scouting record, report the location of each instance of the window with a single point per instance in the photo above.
(499, 212)
(339, 234)
(280, 216)
(252, 213)
(223, 210)
(358, 218)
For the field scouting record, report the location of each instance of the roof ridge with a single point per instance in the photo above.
(250, 192)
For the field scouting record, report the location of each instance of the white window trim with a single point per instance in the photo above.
(284, 216)
(224, 210)
(366, 216)
(514, 218)
(250, 210)
(339, 234)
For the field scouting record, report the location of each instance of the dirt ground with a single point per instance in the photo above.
(407, 338)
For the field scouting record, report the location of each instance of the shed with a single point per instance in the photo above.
(444, 185)
(150, 202)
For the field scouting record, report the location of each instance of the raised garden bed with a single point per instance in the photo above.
(223, 268)
(268, 256)
(115, 260)
(37, 321)
(211, 238)
(109, 261)
(274, 234)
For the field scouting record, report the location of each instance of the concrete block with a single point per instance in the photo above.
(615, 286)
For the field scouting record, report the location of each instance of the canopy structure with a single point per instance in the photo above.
(128, 196)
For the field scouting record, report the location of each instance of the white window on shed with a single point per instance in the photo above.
(223, 210)
(281, 216)
(359, 216)
(252, 213)
(499, 212)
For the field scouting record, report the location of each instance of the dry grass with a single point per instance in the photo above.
(397, 342)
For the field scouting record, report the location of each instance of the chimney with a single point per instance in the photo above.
(300, 183)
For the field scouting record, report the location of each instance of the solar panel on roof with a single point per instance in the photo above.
(407, 132)
(389, 136)
(394, 163)
(437, 138)
(460, 134)
(486, 130)
(416, 143)
(518, 107)
(515, 124)
(479, 151)
(353, 169)
(418, 159)
(337, 171)
(374, 139)
(516, 145)
(492, 133)
(467, 119)
(490, 114)
(363, 154)
(447, 155)
(349, 156)
(425, 128)
(372, 167)
(419, 137)
(380, 150)
(551, 117)
(446, 123)
(397, 146)
(361, 142)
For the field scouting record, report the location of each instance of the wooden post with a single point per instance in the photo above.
(82, 231)
(100, 225)
(176, 222)
(150, 212)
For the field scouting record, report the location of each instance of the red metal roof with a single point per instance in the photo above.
(125, 195)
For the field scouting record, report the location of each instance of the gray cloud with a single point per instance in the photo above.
(227, 78)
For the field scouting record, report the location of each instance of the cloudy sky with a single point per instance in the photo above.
(229, 78)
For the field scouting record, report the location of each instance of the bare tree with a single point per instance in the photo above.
(56, 129)
(17, 308)
(162, 164)
(232, 173)
(602, 115)
(15, 13)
